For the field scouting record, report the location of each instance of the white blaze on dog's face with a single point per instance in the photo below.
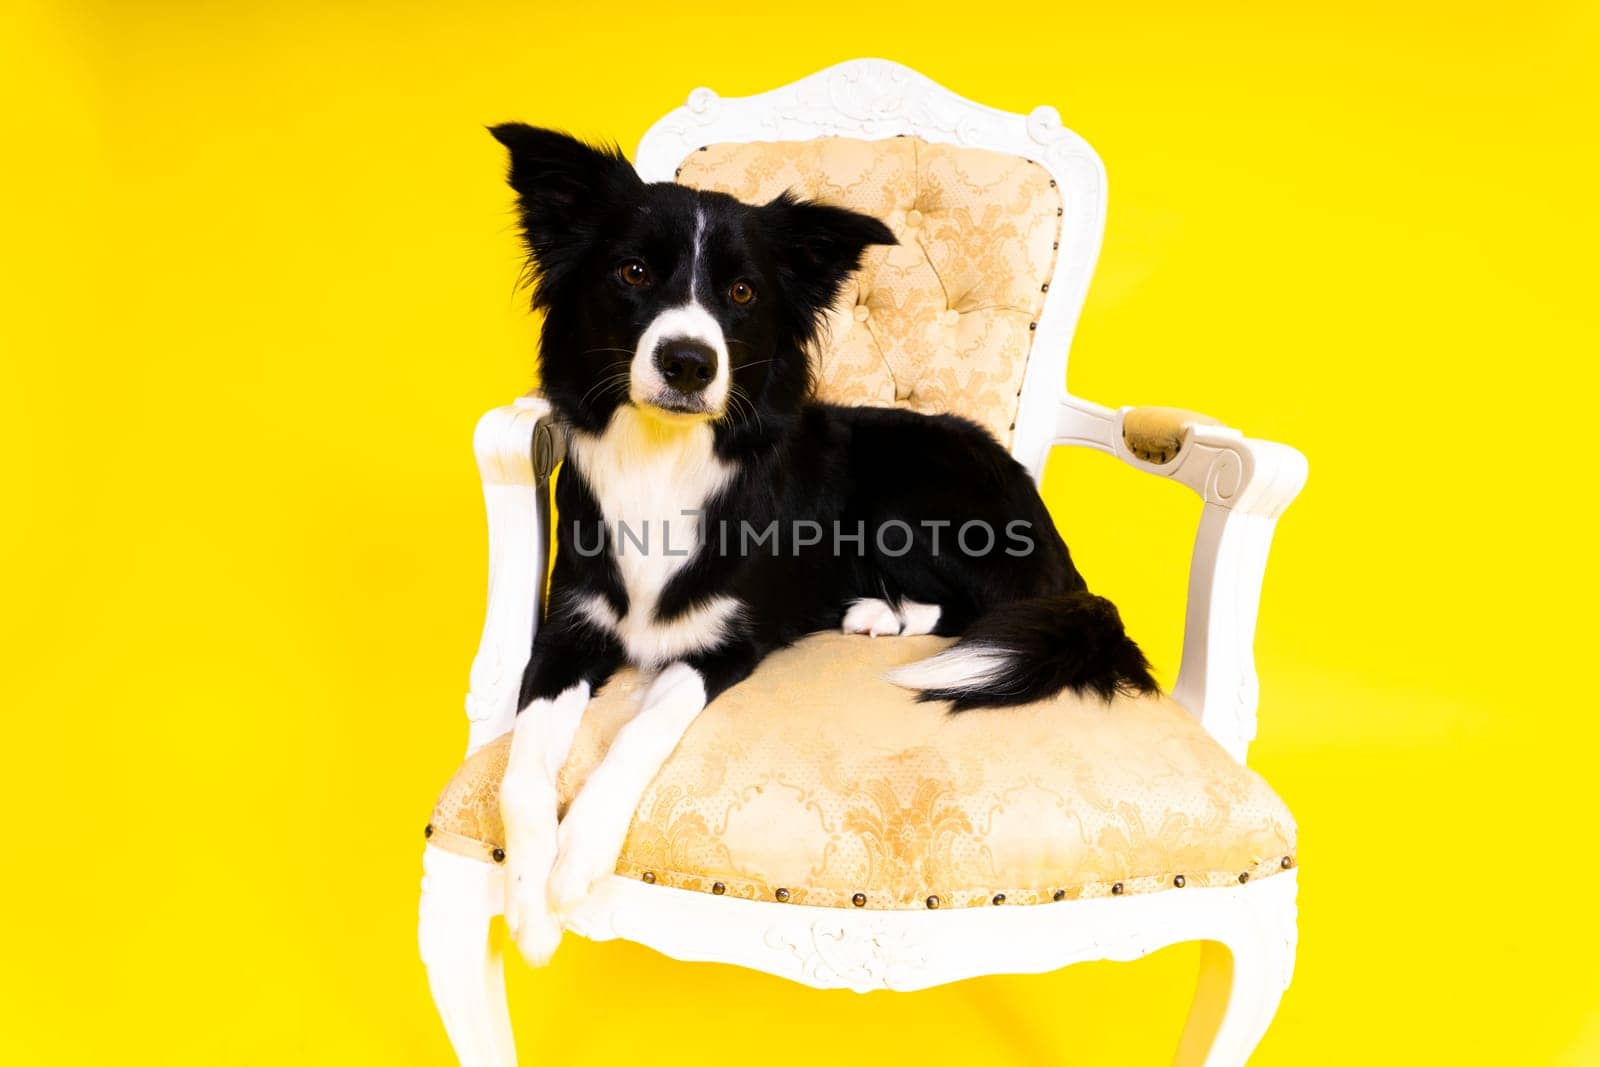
(680, 365)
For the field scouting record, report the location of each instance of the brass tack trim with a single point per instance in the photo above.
(427, 831)
(1045, 288)
(1052, 183)
(936, 901)
(498, 855)
(1055, 246)
(1032, 326)
(704, 147)
(1059, 211)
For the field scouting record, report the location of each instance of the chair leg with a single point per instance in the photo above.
(1240, 985)
(460, 897)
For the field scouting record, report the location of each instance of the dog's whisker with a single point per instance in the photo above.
(739, 394)
(605, 385)
(734, 412)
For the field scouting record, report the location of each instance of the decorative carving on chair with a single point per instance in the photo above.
(1224, 477)
(855, 955)
(872, 98)
(1067, 153)
(704, 105)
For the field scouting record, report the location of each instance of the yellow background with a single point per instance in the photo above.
(259, 284)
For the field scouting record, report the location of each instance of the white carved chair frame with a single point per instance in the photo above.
(1248, 931)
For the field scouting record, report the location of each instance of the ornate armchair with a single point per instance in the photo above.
(899, 848)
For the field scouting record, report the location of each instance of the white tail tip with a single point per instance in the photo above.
(963, 668)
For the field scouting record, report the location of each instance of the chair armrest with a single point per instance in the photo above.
(1156, 435)
(1245, 485)
(518, 446)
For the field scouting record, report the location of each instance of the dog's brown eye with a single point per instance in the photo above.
(633, 272)
(741, 292)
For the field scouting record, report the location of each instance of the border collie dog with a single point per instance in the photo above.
(711, 511)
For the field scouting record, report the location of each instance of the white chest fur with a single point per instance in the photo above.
(652, 479)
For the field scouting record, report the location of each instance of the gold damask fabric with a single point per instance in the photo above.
(943, 321)
(817, 782)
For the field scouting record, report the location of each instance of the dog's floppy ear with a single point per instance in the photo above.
(819, 246)
(563, 188)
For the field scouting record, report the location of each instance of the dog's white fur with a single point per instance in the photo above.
(694, 256)
(540, 743)
(968, 668)
(653, 476)
(917, 618)
(596, 825)
(873, 617)
(652, 643)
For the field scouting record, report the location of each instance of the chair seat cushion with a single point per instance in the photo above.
(817, 782)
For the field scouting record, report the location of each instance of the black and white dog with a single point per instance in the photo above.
(711, 511)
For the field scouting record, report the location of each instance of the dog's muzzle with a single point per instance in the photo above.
(680, 364)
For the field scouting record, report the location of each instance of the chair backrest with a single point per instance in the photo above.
(999, 218)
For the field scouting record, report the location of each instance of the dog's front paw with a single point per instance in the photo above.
(528, 808)
(588, 853)
(533, 926)
(871, 617)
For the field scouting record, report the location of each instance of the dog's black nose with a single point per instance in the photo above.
(688, 366)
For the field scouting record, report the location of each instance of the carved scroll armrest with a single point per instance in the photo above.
(518, 447)
(1245, 485)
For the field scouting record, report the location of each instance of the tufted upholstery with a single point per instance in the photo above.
(817, 777)
(941, 322)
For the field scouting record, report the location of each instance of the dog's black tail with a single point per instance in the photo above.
(1031, 650)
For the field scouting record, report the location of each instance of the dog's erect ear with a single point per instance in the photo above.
(819, 247)
(563, 187)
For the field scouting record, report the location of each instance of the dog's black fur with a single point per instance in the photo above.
(584, 212)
